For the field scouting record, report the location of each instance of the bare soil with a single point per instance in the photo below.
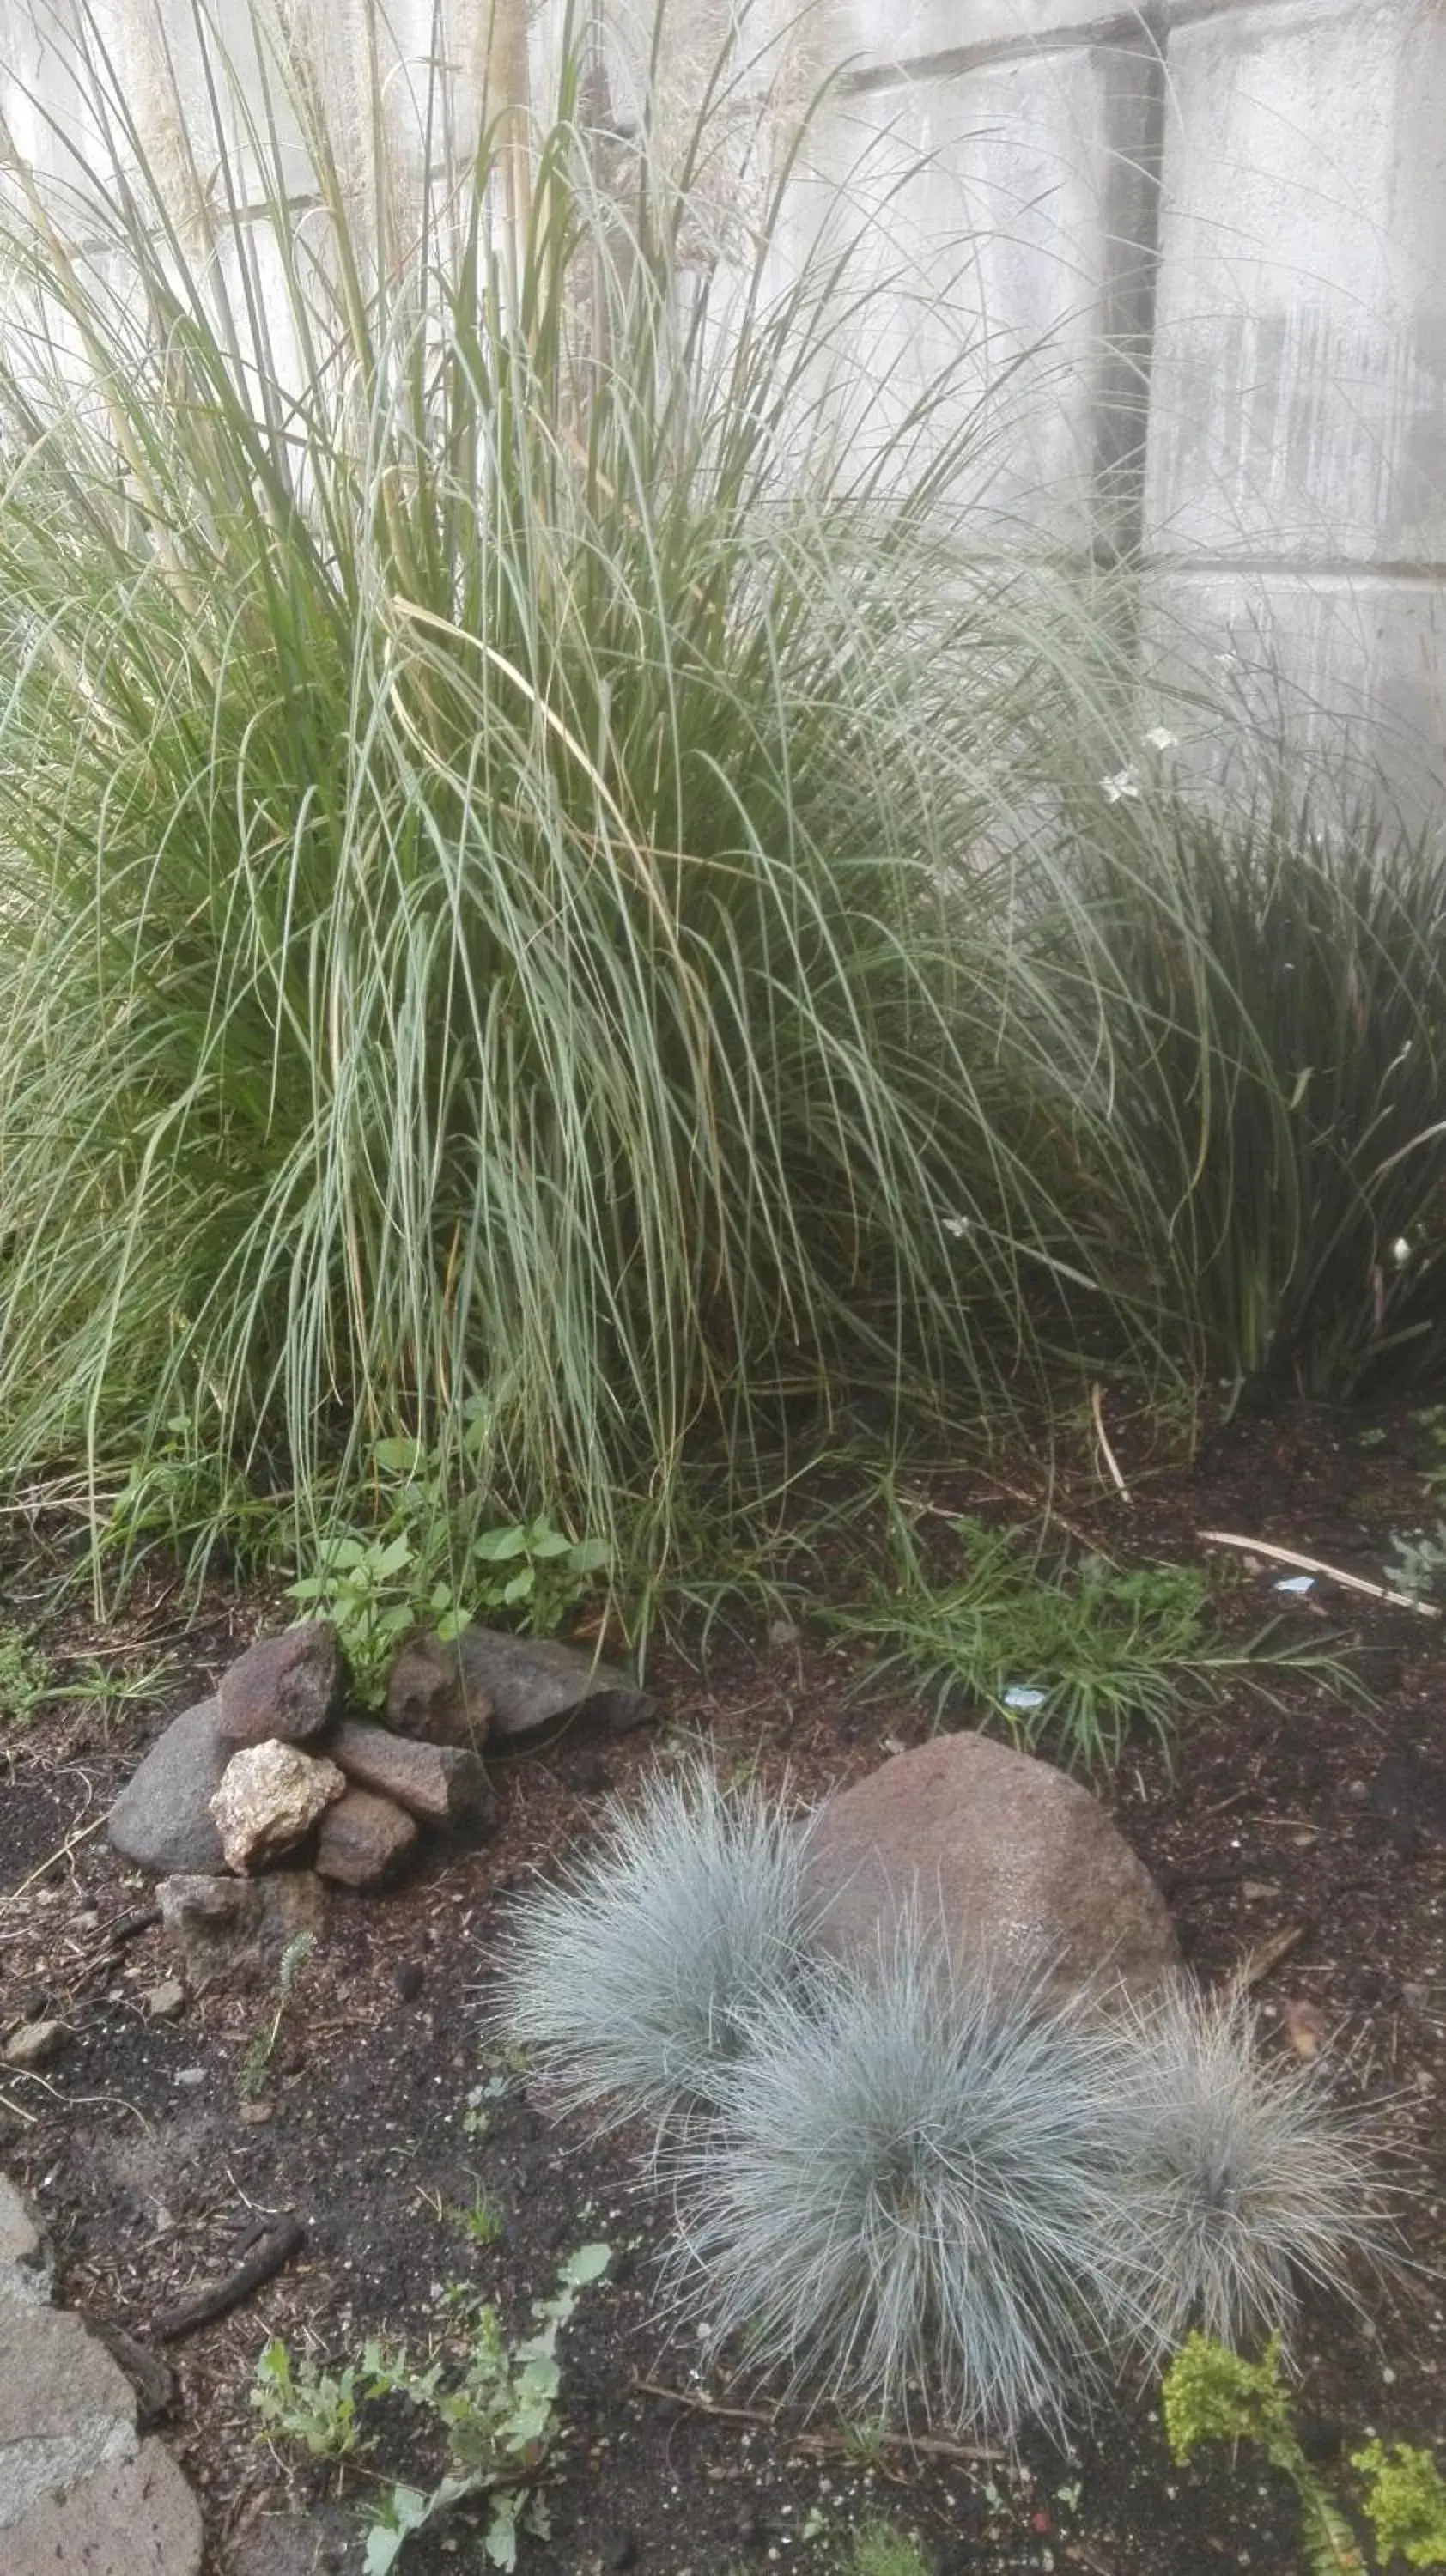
(1301, 1843)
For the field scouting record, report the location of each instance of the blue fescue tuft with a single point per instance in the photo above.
(907, 2200)
(634, 1981)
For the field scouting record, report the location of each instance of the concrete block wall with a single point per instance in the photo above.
(1198, 248)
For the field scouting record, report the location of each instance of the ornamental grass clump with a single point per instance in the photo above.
(1238, 2180)
(634, 1981)
(498, 781)
(907, 2203)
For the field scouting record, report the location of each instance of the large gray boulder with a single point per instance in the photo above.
(162, 1819)
(489, 1686)
(1015, 1867)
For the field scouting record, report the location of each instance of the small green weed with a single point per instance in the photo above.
(881, 2549)
(177, 1497)
(482, 2223)
(24, 1676)
(316, 2409)
(1078, 1652)
(256, 2065)
(418, 1566)
(1213, 2395)
(494, 2403)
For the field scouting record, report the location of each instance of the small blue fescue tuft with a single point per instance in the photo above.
(634, 1980)
(1238, 2179)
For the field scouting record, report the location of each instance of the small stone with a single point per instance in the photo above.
(254, 2115)
(165, 2001)
(284, 1689)
(268, 1801)
(443, 1783)
(363, 1839)
(189, 2077)
(1254, 1890)
(162, 1820)
(34, 2042)
(232, 1931)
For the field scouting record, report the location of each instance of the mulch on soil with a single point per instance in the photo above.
(1303, 1844)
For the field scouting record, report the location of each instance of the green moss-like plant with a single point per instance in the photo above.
(1214, 2395)
(1405, 2501)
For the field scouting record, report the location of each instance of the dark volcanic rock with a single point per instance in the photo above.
(291, 1686)
(440, 1782)
(532, 1687)
(363, 1839)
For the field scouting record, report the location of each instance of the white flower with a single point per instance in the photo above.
(1160, 738)
(1124, 784)
(956, 1225)
(1400, 1251)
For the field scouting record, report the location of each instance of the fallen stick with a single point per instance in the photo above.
(931, 2444)
(1097, 1408)
(1317, 1565)
(276, 2247)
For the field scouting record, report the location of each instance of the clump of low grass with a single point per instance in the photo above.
(906, 2202)
(1278, 1016)
(504, 906)
(1072, 1652)
(634, 1981)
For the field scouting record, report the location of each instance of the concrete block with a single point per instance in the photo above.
(1298, 395)
(871, 35)
(1336, 674)
(987, 208)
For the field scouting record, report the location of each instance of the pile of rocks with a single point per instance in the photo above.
(275, 1768)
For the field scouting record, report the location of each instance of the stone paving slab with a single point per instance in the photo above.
(80, 2493)
(25, 2271)
(138, 2520)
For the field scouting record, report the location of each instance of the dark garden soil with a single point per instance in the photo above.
(1302, 1846)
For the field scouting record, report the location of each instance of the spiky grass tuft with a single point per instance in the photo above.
(1239, 2180)
(906, 2203)
(635, 1981)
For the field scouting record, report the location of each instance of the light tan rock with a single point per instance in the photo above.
(1015, 1866)
(270, 1797)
